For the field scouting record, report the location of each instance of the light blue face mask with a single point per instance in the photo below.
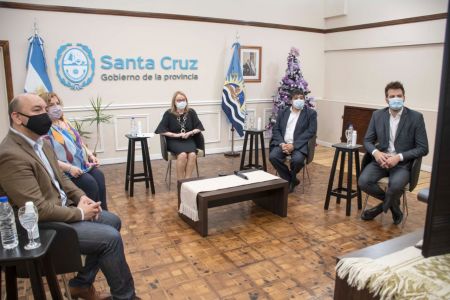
(396, 103)
(298, 103)
(181, 105)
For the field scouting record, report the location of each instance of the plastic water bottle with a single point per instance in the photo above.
(133, 130)
(31, 209)
(349, 135)
(8, 228)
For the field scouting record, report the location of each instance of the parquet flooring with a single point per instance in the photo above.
(249, 253)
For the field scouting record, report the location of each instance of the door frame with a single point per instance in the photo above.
(8, 75)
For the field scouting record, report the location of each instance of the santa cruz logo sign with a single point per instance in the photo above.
(75, 65)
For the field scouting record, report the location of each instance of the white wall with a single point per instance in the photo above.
(359, 63)
(343, 68)
(308, 13)
(369, 11)
(131, 37)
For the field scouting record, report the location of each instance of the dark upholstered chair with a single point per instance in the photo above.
(64, 252)
(169, 156)
(308, 160)
(384, 182)
(310, 157)
(423, 195)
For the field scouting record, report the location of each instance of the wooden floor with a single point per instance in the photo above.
(249, 253)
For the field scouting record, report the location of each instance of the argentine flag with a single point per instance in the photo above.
(233, 96)
(37, 80)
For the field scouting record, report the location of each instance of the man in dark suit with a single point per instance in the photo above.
(290, 135)
(29, 172)
(395, 137)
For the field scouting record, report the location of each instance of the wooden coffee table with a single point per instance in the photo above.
(271, 195)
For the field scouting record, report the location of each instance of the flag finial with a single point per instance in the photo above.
(35, 26)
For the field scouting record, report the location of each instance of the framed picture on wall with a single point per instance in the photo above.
(251, 63)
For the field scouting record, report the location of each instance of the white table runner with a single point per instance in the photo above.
(190, 189)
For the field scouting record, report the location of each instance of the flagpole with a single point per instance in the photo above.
(35, 28)
(232, 153)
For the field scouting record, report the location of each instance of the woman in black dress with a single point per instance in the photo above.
(179, 124)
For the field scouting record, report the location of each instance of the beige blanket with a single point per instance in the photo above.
(190, 189)
(405, 274)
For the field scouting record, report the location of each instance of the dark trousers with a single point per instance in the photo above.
(102, 244)
(398, 179)
(93, 184)
(277, 158)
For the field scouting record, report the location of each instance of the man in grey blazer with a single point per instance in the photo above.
(290, 135)
(395, 137)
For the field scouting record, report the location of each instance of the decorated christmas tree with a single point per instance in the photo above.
(293, 80)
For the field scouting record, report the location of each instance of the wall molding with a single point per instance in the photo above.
(123, 159)
(162, 104)
(127, 117)
(219, 127)
(157, 156)
(250, 111)
(267, 112)
(417, 19)
(151, 15)
(385, 47)
(101, 143)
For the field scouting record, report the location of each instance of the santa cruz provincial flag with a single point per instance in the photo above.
(233, 98)
(37, 80)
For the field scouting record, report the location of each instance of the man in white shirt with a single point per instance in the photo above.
(395, 137)
(295, 126)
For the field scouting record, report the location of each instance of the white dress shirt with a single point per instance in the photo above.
(393, 126)
(290, 127)
(37, 147)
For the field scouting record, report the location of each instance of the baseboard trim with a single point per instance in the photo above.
(123, 159)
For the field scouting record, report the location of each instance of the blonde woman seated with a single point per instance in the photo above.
(179, 124)
(74, 158)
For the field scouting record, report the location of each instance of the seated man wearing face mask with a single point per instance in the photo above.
(395, 137)
(29, 172)
(294, 127)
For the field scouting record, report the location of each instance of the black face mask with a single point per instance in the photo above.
(39, 124)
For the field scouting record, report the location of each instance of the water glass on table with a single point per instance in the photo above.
(251, 122)
(28, 218)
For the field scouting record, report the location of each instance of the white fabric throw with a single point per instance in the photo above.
(190, 189)
(405, 274)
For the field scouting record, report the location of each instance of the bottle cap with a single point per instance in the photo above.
(29, 207)
(3, 199)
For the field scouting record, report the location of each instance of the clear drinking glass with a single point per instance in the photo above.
(251, 122)
(28, 217)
